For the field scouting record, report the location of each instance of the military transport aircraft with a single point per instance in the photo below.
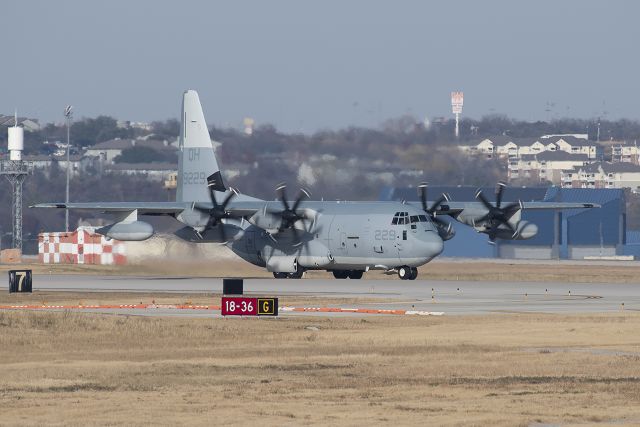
(288, 237)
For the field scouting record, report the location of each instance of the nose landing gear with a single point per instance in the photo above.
(407, 273)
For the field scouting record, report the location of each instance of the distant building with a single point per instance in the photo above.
(625, 153)
(491, 147)
(531, 146)
(171, 181)
(45, 162)
(573, 145)
(152, 171)
(603, 175)
(29, 125)
(584, 136)
(510, 148)
(107, 151)
(545, 166)
(126, 124)
(539, 159)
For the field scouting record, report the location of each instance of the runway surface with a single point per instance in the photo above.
(449, 297)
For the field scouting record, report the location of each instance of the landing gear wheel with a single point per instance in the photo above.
(297, 274)
(340, 274)
(278, 275)
(414, 273)
(356, 274)
(404, 272)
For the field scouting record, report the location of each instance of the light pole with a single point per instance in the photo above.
(67, 115)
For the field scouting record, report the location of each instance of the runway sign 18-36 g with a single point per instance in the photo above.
(244, 306)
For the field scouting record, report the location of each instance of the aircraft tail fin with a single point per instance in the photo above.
(197, 164)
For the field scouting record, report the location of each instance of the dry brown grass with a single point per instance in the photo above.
(439, 270)
(69, 368)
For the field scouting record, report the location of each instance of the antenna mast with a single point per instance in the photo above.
(16, 171)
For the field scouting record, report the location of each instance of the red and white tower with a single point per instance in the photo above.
(457, 100)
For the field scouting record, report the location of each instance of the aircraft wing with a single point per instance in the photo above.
(143, 208)
(455, 208)
(238, 209)
(249, 207)
(235, 209)
(556, 205)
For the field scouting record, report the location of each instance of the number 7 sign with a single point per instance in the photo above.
(19, 281)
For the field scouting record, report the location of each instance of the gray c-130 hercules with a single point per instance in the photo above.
(288, 237)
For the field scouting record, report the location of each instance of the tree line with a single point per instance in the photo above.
(352, 163)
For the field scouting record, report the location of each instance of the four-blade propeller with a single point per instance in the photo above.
(290, 214)
(445, 229)
(498, 215)
(219, 210)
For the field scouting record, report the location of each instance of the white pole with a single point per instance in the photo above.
(457, 125)
(67, 114)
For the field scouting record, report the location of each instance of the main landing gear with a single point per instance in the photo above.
(348, 274)
(407, 273)
(297, 275)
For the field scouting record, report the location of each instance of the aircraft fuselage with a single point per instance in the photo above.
(345, 236)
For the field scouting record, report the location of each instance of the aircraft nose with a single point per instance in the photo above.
(431, 246)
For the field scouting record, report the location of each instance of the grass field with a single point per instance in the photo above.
(85, 369)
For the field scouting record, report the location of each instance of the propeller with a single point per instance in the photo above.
(219, 210)
(498, 215)
(290, 213)
(445, 228)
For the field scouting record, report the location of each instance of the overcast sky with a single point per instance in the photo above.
(305, 65)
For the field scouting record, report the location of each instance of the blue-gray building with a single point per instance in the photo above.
(566, 234)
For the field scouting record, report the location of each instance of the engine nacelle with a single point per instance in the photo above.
(267, 221)
(315, 261)
(127, 231)
(524, 230)
(282, 264)
(446, 232)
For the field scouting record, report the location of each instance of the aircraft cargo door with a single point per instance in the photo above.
(338, 239)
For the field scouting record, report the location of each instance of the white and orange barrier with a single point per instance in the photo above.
(82, 246)
(217, 308)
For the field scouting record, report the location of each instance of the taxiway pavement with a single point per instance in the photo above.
(449, 297)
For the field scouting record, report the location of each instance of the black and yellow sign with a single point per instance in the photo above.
(267, 306)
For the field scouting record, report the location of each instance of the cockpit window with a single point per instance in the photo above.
(423, 218)
(402, 218)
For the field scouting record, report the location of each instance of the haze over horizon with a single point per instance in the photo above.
(306, 66)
